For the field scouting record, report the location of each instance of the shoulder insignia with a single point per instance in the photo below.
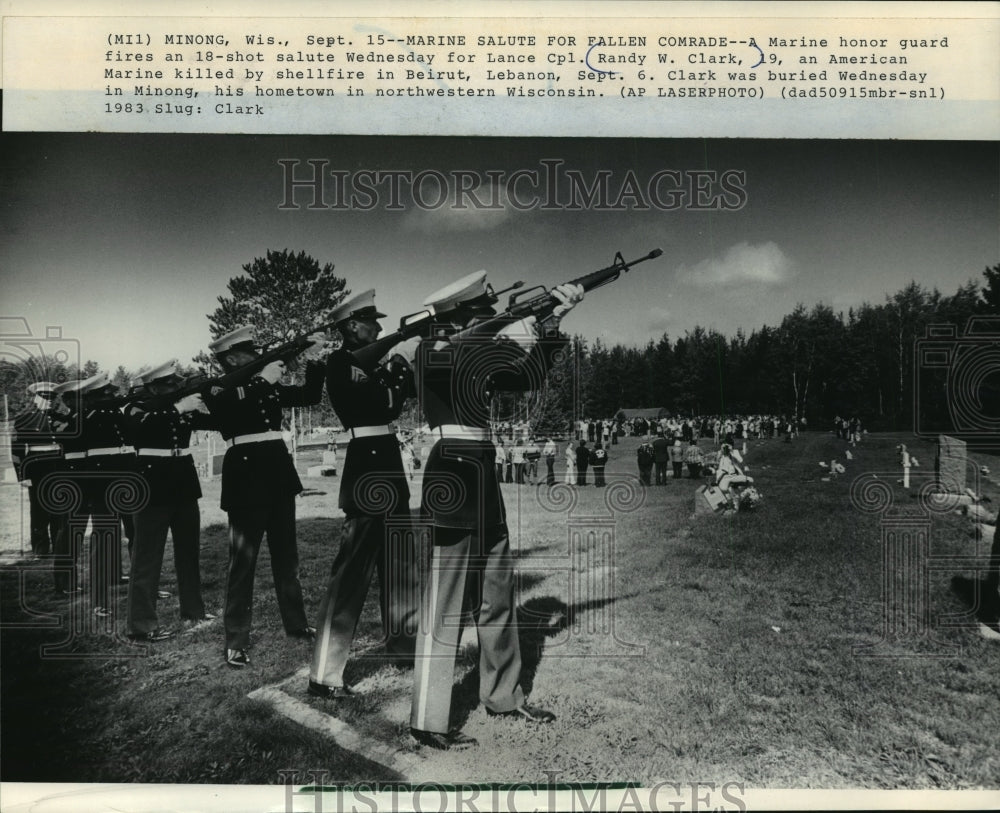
(241, 393)
(357, 374)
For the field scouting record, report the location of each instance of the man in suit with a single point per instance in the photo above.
(374, 496)
(471, 563)
(259, 486)
(35, 452)
(161, 431)
(582, 461)
(661, 458)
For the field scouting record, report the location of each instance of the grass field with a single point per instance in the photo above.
(774, 648)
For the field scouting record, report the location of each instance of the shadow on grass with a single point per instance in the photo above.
(538, 619)
(978, 597)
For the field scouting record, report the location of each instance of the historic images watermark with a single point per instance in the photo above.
(315, 183)
(324, 794)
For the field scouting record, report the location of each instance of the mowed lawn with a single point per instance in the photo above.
(671, 646)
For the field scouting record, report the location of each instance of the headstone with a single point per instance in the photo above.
(321, 471)
(217, 464)
(950, 465)
(330, 459)
(708, 500)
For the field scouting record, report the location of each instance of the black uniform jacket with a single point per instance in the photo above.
(457, 382)
(256, 473)
(32, 428)
(170, 479)
(104, 428)
(373, 480)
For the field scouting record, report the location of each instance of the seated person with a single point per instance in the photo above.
(729, 475)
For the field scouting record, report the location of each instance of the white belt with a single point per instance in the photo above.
(74, 455)
(259, 437)
(108, 450)
(457, 431)
(370, 431)
(52, 447)
(163, 452)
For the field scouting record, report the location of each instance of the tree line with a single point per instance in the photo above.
(816, 364)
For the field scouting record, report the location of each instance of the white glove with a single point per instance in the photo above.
(569, 296)
(190, 403)
(273, 372)
(522, 332)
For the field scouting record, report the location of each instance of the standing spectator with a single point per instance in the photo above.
(509, 463)
(501, 458)
(693, 458)
(582, 461)
(520, 462)
(677, 459)
(532, 453)
(645, 458)
(599, 459)
(549, 452)
(661, 457)
(570, 463)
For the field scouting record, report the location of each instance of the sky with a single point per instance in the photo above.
(125, 241)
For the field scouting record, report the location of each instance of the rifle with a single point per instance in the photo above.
(541, 303)
(419, 323)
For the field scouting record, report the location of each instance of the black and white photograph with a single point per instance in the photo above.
(498, 472)
(683, 520)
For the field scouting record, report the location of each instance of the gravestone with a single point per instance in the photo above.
(950, 465)
(330, 458)
(708, 500)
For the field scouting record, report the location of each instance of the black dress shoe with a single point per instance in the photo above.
(452, 741)
(330, 692)
(306, 634)
(237, 658)
(153, 636)
(532, 714)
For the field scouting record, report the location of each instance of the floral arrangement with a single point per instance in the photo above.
(748, 499)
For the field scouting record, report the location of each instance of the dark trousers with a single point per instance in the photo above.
(44, 526)
(581, 475)
(599, 476)
(519, 473)
(247, 526)
(550, 474)
(694, 469)
(183, 521)
(472, 573)
(678, 469)
(367, 543)
(661, 473)
(646, 474)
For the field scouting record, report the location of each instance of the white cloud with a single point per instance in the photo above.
(660, 320)
(495, 211)
(764, 264)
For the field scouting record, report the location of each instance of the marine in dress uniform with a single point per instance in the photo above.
(471, 563)
(162, 434)
(110, 459)
(259, 486)
(373, 492)
(35, 451)
(71, 506)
